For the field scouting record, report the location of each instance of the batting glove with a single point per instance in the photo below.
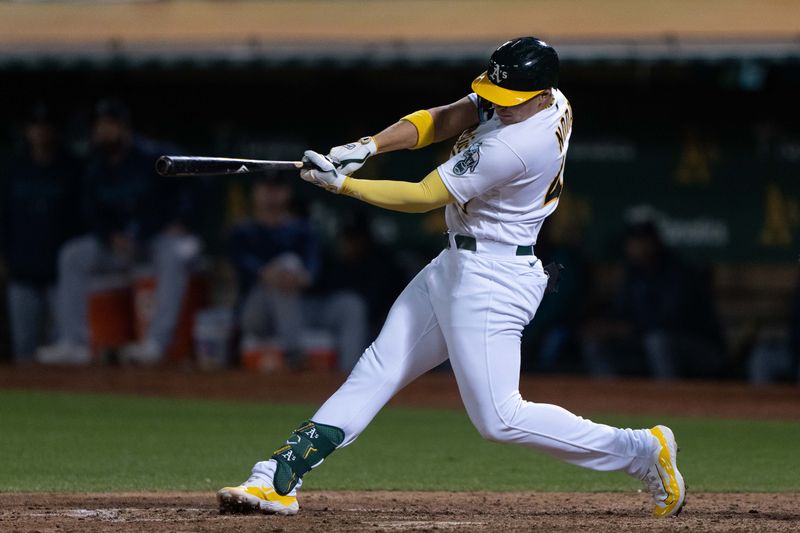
(323, 172)
(350, 157)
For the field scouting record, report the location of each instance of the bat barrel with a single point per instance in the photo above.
(164, 165)
(176, 165)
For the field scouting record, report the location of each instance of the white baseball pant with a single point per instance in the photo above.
(473, 307)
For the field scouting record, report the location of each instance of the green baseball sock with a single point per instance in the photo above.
(305, 449)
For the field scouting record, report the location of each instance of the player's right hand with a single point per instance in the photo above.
(350, 157)
(322, 173)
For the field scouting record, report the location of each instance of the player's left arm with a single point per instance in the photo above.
(415, 130)
(483, 166)
(422, 196)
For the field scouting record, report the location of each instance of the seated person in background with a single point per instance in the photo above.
(665, 323)
(362, 266)
(41, 197)
(131, 213)
(276, 257)
(551, 343)
(776, 355)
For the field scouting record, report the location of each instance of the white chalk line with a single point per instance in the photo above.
(118, 514)
(424, 524)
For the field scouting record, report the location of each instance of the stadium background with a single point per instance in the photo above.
(685, 114)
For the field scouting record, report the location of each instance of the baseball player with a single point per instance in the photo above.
(472, 301)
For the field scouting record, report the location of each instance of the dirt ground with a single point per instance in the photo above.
(398, 511)
(409, 511)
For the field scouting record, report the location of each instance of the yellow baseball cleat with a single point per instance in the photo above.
(663, 479)
(256, 495)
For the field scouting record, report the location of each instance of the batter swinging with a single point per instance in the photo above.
(472, 301)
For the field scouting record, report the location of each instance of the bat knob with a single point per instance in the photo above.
(164, 166)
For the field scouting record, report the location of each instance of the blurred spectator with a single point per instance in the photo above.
(41, 211)
(663, 321)
(131, 214)
(276, 257)
(551, 342)
(360, 265)
(776, 356)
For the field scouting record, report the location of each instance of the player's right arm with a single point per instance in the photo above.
(421, 128)
(415, 130)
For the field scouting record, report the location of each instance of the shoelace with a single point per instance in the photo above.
(654, 485)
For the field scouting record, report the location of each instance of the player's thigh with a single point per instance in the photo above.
(410, 341)
(25, 312)
(82, 254)
(339, 309)
(256, 315)
(174, 250)
(483, 325)
(409, 344)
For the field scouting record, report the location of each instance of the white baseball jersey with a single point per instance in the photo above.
(507, 178)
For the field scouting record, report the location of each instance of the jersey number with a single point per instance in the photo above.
(556, 186)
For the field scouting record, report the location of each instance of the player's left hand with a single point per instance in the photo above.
(324, 173)
(350, 157)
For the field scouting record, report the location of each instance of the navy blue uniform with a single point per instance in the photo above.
(41, 211)
(251, 246)
(131, 198)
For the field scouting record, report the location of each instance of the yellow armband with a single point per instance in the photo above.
(404, 196)
(423, 121)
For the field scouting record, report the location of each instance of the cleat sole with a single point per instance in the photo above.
(236, 502)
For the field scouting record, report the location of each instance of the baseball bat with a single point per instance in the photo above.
(176, 165)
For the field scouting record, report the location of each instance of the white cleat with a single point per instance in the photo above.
(256, 495)
(64, 353)
(663, 480)
(145, 353)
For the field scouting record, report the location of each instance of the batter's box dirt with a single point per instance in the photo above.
(399, 511)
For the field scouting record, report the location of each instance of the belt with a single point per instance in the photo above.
(471, 244)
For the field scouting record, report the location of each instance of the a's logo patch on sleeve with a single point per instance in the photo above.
(469, 160)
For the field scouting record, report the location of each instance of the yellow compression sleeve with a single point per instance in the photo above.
(404, 196)
(423, 121)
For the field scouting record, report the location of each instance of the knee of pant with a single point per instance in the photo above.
(657, 340)
(256, 322)
(252, 326)
(349, 304)
(177, 250)
(492, 428)
(494, 433)
(170, 255)
(495, 421)
(74, 255)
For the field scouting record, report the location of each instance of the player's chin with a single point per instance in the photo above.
(506, 119)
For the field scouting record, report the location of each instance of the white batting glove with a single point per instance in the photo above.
(323, 174)
(350, 157)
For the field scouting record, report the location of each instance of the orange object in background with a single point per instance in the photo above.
(320, 358)
(110, 312)
(268, 355)
(262, 355)
(319, 347)
(144, 292)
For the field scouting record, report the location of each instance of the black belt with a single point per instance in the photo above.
(465, 242)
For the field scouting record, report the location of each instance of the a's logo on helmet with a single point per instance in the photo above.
(496, 75)
(469, 160)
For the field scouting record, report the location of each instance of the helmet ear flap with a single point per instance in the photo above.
(485, 109)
